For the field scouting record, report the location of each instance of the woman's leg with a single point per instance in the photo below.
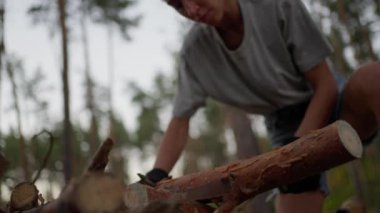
(361, 100)
(311, 202)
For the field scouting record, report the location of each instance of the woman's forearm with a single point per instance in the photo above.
(321, 106)
(319, 111)
(172, 144)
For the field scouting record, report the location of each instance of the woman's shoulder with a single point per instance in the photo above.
(197, 35)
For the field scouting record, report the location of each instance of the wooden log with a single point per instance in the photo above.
(144, 198)
(100, 159)
(23, 197)
(86, 193)
(101, 193)
(94, 192)
(316, 152)
(91, 193)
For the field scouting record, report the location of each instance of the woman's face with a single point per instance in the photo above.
(205, 11)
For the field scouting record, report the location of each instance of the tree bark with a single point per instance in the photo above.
(67, 132)
(247, 146)
(318, 151)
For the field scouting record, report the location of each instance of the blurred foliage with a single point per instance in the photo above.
(341, 182)
(150, 104)
(351, 26)
(111, 12)
(105, 12)
(352, 30)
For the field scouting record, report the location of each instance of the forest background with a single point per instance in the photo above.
(86, 70)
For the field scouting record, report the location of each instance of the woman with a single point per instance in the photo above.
(266, 57)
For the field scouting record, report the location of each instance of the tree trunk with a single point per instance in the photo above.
(90, 101)
(67, 132)
(117, 163)
(110, 75)
(246, 140)
(339, 48)
(191, 156)
(247, 146)
(4, 164)
(363, 47)
(366, 33)
(2, 53)
(22, 145)
(342, 11)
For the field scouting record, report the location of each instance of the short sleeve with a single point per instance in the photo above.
(190, 94)
(306, 43)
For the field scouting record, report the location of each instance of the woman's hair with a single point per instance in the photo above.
(177, 4)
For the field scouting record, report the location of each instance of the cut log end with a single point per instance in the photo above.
(24, 197)
(350, 139)
(98, 192)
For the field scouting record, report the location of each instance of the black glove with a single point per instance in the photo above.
(153, 176)
(156, 174)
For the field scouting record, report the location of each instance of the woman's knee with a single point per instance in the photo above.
(361, 105)
(368, 72)
(365, 80)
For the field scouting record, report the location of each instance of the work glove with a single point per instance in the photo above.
(153, 177)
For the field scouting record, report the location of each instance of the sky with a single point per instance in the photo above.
(139, 60)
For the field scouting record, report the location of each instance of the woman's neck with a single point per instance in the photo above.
(232, 17)
(231, 28)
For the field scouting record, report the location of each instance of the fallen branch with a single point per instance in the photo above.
(234, 183)
(100, 159)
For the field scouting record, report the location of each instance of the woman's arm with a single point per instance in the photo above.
(323, 101)
(173, 143)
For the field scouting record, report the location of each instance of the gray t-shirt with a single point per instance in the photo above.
(265, 73)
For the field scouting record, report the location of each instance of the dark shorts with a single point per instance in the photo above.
(283, 123)
(281, 126)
